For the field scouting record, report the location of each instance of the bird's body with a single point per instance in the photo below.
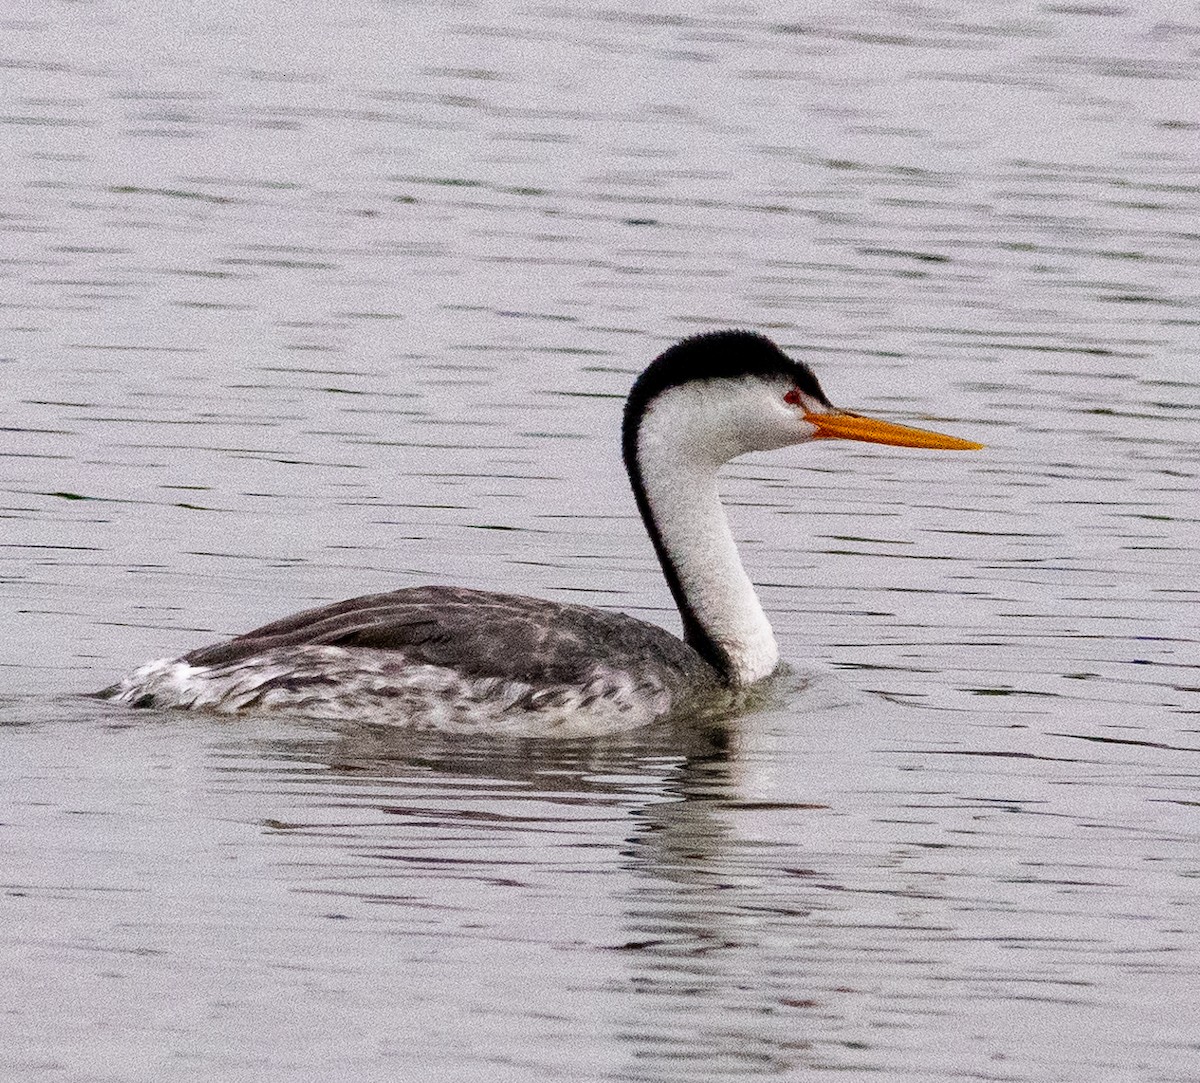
(453, 659)
(446, 658)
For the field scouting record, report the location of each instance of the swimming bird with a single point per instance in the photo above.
(457, 659)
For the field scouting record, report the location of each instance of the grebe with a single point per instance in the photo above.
(455, 659)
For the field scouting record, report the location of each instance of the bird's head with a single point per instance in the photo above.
(719, 395)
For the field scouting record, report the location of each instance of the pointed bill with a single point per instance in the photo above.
(854, 427)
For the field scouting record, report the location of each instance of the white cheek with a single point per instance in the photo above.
(775, 427)
(713, 424)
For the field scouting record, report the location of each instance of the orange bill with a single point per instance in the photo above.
(854, 427)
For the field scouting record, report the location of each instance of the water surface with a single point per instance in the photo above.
(302, 303)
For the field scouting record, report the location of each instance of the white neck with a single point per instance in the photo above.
(677, 461)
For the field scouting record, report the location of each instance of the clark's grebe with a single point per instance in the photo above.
(451, 658)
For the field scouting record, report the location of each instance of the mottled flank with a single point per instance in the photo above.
(443, 658)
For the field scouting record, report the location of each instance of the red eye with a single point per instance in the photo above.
(794, 397)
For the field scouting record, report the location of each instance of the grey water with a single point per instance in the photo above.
(303, 301)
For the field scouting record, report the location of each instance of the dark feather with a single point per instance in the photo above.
(479, 634)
